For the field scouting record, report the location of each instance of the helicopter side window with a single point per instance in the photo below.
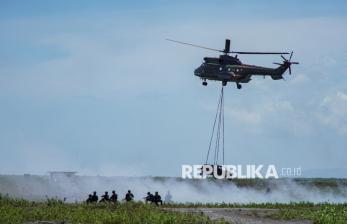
(229, 69)
(220, 68)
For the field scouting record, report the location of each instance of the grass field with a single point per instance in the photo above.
(20, 211)
(323, 213)
(15, 211)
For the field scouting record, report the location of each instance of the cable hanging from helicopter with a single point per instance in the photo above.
(217, 137)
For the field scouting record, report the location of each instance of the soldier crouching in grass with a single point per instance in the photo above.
(149, 198)
(114, 197)
(90, 199)
(157, 199)
(105, 197)
(129, 196)
(94, 198)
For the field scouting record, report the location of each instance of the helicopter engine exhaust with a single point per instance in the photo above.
(227, 46)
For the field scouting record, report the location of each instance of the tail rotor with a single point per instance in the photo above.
(287, 62)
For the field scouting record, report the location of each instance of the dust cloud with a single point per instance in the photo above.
(77, 188)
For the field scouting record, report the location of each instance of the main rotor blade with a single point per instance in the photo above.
(251, 52)
(291, 54)
(194, 45)
(290, 70)
(283, 58)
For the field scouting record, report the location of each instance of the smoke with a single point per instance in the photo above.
(77, 188)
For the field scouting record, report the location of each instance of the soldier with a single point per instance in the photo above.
(129, 196)
(105, 197)
(90, 199)
(149, 197)
(95, 197)
(114, 197)
(157, 199)
(268, 190)
(168, 198)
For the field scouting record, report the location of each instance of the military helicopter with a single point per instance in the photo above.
(228, 68)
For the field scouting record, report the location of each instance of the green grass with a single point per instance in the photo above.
(19, 211)
(322, 213)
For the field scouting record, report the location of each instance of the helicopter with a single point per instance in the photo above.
(227, 68)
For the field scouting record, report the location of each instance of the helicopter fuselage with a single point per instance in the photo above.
(230, 69)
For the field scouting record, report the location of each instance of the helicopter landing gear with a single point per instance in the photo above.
(238, 85)
(224, 83)
(204, 83)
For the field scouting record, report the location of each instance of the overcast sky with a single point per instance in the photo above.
(93, 86)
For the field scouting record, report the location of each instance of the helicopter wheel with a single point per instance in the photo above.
(204, 83)
(238, 86)
(224, 83)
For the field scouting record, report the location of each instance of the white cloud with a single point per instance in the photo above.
(245, 116)
(37, 158)
(263, 111)
(300, 78)
(333, 112)
(341, 96)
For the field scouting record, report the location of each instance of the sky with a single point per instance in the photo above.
(94, 87)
